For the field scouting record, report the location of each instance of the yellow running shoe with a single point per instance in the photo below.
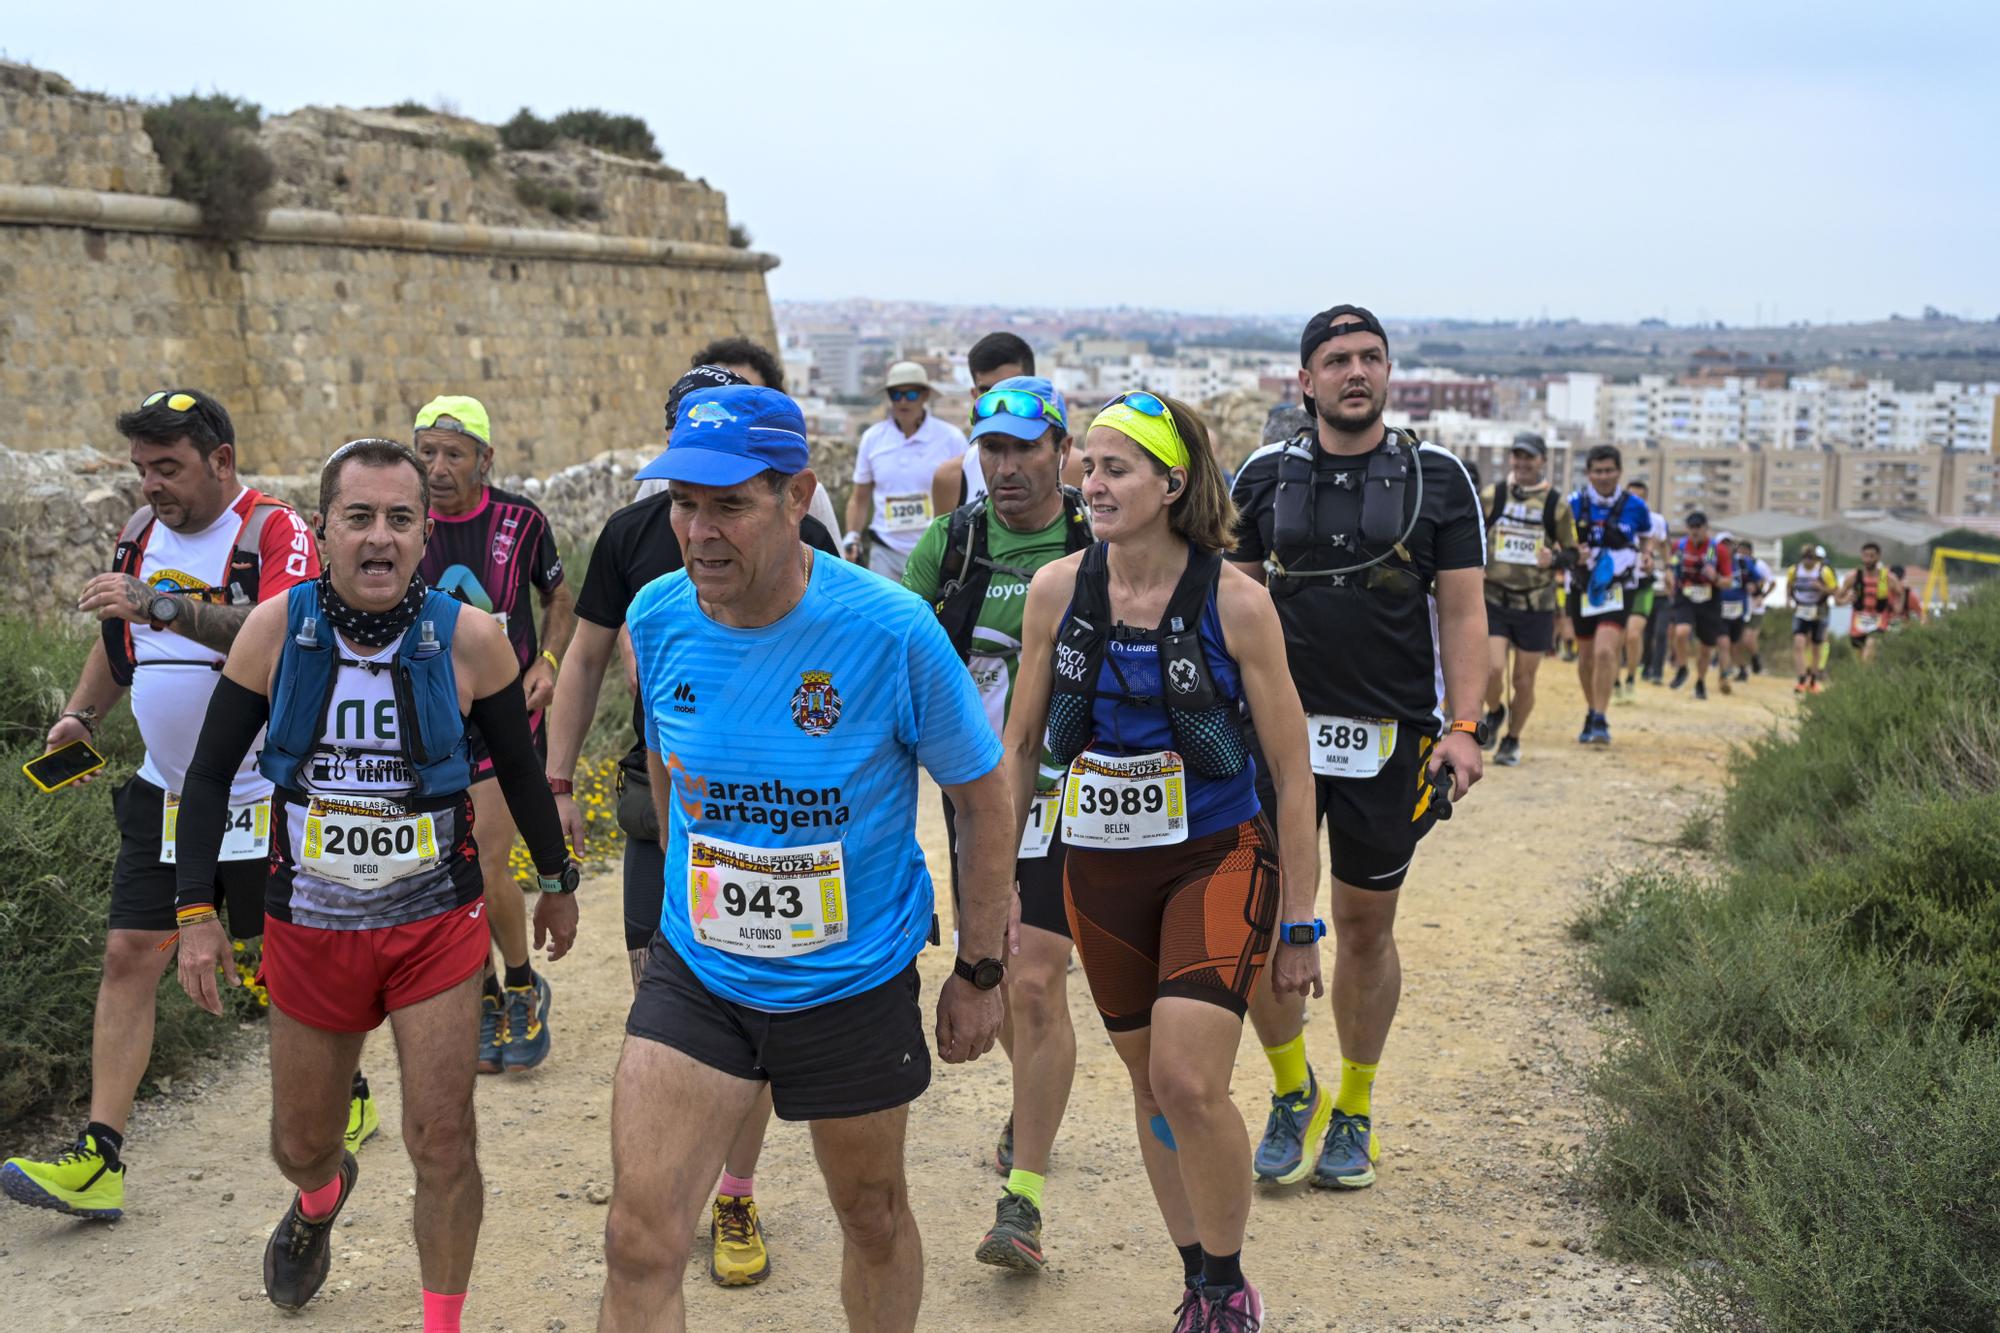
(363, 1122)
(738, 1258)
(80, 1182)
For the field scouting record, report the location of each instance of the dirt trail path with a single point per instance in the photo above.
(1477, 1102)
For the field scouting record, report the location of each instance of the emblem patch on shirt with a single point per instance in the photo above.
(815, 704)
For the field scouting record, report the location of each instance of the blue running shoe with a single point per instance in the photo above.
(492, 1034)
(1347, 1161)
(1297, 1121)
(1589, 732)
(1603, 735)
(527, 1025)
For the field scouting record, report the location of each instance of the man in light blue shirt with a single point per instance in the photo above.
(788, 700)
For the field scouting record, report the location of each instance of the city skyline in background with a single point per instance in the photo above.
(1451, 159)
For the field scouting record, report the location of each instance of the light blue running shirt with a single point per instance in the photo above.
(802, 734)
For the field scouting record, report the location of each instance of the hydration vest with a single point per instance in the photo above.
(1207, 729)
(1808, 586)
(1869, 591)
(1688, 565)
(1604, 534)
(431, 728)
(1389, 509)
(965, 569)
(240, 582)
(1502, 493)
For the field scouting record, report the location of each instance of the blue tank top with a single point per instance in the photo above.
(1128, 717)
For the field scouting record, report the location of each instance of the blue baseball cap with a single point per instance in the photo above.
(1021, 425)
(726, 436)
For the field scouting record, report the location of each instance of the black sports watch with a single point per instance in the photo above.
(1302, 932)
(565, 882)
(985, 974)
(163, 608)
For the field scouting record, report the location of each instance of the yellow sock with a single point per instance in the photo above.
(1288, 1065)
(1026, 1184)
(1356, 1083)
(1825, 648)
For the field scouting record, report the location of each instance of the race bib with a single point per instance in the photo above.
(1807, 611)
(906, 513)
(365, 843)
(1866, 622)
(766, 901)
(1614, 600)
(246, 837)
(1697, 592)
(1349, 747)
(1517, 545)
(1040, 829)
(1125, 801)
(1733, 610)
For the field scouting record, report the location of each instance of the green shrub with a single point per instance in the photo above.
(212, 160)
(627, 136)
(562, 202)
(478, 153)
(52, 910)
(407, 108)
(527, 131)
(739, 236)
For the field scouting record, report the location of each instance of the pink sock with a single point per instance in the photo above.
(736, 1187)
(318, 1205)
(441, 1312)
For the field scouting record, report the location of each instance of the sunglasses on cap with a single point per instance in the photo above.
(179, 402)
(1141, 401)
(909, 395)
(1015, 403)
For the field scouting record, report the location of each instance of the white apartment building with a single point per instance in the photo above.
(1808, 412)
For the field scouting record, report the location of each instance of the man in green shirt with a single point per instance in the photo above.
(973, 565)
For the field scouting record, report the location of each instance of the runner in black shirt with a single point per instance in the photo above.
(636, 546)
(488, 548)
(1373, 546)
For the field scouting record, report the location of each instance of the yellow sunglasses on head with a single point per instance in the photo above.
(179, 402)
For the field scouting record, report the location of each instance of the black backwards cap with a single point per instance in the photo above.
(1335, 321)
(701, 377)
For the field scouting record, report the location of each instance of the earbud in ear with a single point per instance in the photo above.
(1173, 485)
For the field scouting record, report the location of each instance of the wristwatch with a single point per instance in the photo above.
(1479, 731)
(566, 882)
(985, 974)
(1302, 932)
(162, 609)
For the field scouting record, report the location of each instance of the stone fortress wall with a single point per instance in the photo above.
(390, 268)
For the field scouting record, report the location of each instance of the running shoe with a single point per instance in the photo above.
(300, 1251)
(1818, 686)
(1191, 1316)
(1292, 1133)
(364, 1122)
(1601, 733)
(527, 1025)
(1724, 685)
(1015, 1240)
(492, 1033)
(1347, 1161)
(80, 1182)
(1003, 1152)
(1700, 690)
(1509, 751)
(1589, 732)
(1802, 687)
(1757, 663)
(1743, 673)
(1494, 718)
(1241, 1311)
(1680, 678)
(737, 1257)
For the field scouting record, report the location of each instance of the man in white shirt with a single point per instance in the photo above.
(890, 505)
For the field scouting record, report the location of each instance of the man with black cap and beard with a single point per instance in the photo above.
(1373, 546)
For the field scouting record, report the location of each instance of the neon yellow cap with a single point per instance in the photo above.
(456, 412)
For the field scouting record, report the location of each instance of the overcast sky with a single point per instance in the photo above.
(1425, 157)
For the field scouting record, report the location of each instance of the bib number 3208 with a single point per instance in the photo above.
(766, 901)
(1125, 801)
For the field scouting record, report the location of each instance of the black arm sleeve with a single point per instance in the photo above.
(235, 715)
(502, 720)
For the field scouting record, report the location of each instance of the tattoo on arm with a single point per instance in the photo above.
(137, 594)
(210, 625)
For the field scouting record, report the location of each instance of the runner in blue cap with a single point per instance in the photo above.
(973, 566)
(789, 700)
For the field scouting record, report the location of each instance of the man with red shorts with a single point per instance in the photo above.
(374, 907)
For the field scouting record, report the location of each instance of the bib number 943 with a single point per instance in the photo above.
(765, 901)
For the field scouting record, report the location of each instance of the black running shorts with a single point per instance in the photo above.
(1706, 617)
(1373, 825)
(1529, 631)
(1040, 877)
(856, 1056)
(1814, 630)
(142, 886)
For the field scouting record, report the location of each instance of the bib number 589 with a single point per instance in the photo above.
(1343, 736)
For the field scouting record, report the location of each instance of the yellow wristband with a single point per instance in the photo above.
(550, 658)
(188, 916)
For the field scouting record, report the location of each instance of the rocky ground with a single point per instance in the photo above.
(1470, 1226)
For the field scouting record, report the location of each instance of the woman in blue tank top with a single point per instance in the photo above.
(1138, 657)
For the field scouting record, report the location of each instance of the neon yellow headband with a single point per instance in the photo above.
(1157, 435)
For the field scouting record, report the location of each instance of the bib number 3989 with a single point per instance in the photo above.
(1349, 747)
(1125, 801)
(766, 901)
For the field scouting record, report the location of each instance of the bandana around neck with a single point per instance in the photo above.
(372, 629)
